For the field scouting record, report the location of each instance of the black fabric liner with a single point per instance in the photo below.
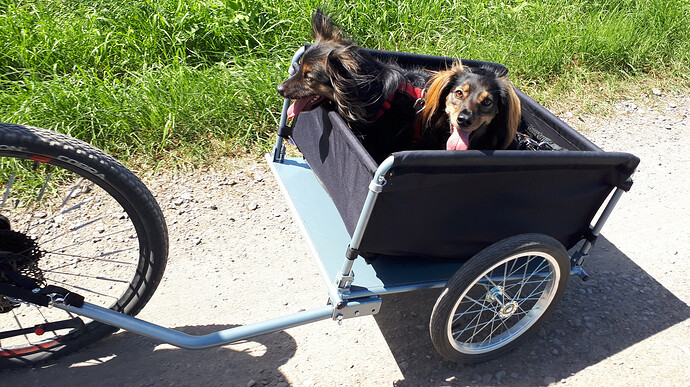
(452, 204)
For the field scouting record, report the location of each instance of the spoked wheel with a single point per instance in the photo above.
(71, 217)
(499, 297)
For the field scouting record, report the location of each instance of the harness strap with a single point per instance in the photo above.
(414, 93)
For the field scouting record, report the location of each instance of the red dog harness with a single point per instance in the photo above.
(417, 95)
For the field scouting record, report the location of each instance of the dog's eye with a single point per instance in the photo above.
(307, 77)
(487, 102)
(459, 94)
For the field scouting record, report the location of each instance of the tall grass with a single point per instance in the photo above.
(148, 77)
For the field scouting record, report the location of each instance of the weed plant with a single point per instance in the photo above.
(197, 77)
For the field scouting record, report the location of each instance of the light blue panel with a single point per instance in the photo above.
(328, 239)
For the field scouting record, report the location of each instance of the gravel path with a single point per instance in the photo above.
(237, 257)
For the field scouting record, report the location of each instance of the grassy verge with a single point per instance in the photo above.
(192, 79)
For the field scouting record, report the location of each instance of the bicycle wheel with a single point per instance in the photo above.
(76, 218)
(499, 297)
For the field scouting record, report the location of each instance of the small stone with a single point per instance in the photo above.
(554, 352)
(656, 91)
(500, 375)
(251, 383)
(404, 365)
(486, 379)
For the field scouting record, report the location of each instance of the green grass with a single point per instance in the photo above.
(196, 78)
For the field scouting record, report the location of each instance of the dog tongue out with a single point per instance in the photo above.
(458, 140)
(303, 104)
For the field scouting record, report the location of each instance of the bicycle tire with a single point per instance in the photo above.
(98, 229)
(500, 297)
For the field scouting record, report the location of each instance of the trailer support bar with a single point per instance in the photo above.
(184, 340)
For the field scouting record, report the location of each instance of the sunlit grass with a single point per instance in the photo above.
(154, 78)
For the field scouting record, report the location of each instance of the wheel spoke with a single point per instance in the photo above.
(86, 276)
(10, 182)
(470, 326)
(71, 192)
(530, 276)
(43, 188)
(96, 258)
(493, 330)
(87, 240)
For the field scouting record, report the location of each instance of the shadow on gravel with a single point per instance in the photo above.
(619, 306)
(126, 359)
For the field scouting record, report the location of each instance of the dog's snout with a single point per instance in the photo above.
(465, 118)
(281, 89)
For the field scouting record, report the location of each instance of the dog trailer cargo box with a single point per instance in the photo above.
(452, 204)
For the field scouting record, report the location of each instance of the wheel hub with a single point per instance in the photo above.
(508, 309)
(506, 306)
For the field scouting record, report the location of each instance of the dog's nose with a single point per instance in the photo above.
(465, 118)
(281, 89)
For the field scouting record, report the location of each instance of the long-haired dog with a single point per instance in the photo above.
(477, 107)
(377, 100)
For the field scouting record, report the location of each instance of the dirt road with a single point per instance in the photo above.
(237, 257)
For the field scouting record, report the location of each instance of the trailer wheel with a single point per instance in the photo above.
(499, 297)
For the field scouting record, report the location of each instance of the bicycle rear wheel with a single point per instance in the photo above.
(74, 217)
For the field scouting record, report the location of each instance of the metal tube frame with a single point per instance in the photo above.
(184, 340)
(346, 275)
(578, 257)
(279, 148)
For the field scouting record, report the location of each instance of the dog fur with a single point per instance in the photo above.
(362, 89)
(478, 108)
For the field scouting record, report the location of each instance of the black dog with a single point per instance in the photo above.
(379, 101)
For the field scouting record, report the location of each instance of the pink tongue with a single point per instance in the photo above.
(297, 107)
(458, 140)
(303, 104)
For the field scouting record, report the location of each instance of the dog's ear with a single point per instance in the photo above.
(437, 91)
(458, 67)
(512, 110)
(324, 30)
(343, 70)
(342, 62)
